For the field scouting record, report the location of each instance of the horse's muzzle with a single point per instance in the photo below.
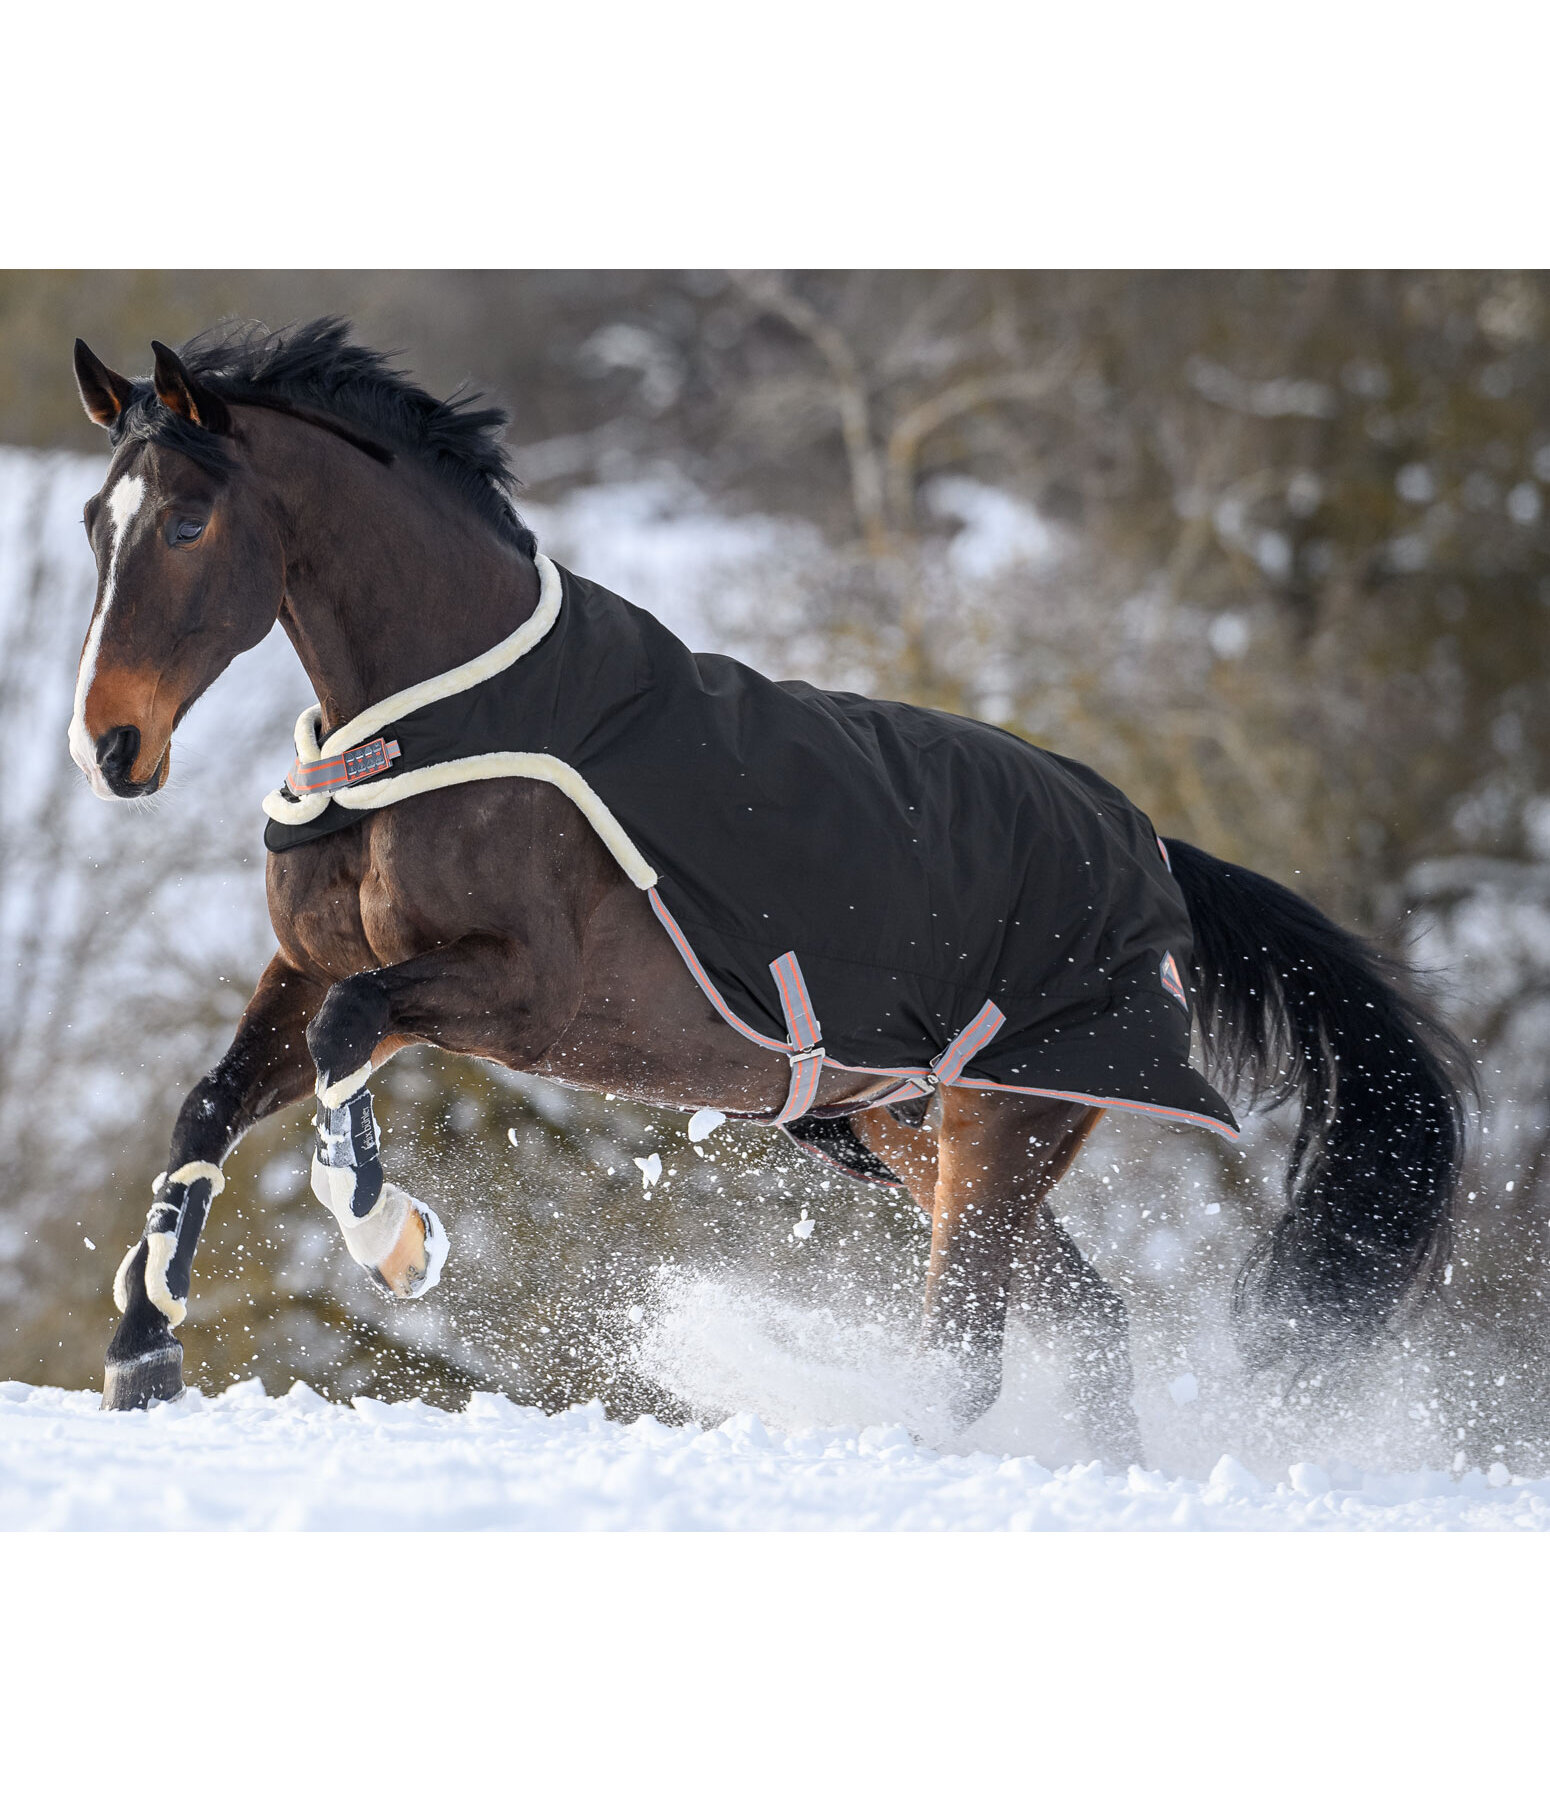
(116, 753)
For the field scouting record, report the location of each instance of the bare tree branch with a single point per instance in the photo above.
(866, 475)
(910, 433)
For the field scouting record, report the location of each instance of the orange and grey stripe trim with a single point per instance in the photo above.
(946, 1069)
(967, 1045)
(1176, 1113)
(344, 770)
(805, 1044)
(706, 986)
(1168, 970)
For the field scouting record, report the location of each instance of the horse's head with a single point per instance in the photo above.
(190, 570)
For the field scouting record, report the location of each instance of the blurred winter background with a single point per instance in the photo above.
(1269, 551)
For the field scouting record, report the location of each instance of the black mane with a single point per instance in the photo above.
(315, 370)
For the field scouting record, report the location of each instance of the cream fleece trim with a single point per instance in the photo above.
(162, 1244)
(191, 1172)
(298, 810)
(497, 765)
(121, 1280)
(338, 1092)
(455, 681)
(370, 1239)
(530, 765)
(494, 765)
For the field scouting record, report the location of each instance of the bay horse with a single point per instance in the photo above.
(297, 476)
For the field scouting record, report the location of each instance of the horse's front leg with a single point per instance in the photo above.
(478, 997)
(267, 1067)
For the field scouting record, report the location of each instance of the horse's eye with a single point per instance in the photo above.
(186, 530)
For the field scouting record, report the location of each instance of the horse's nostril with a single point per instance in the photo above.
(117, 750)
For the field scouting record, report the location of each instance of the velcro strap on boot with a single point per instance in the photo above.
(167, 1272)
(349, 1153)
(347, 1178)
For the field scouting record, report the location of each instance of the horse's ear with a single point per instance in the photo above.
(179, 392)
(103, 394)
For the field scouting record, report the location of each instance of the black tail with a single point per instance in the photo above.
(1290, 1004)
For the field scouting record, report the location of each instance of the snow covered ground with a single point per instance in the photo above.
(243, 1461)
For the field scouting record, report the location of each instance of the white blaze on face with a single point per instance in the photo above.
(123, 504)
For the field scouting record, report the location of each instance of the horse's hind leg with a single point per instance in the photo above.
(1062, 1281)
(981, 1242)
(909, 1150)
(998, 1155)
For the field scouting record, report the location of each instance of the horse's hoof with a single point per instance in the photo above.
(154, 1375)
(976, 1390)
(413, 1266)
(1114, 1436)
(1123, 1452)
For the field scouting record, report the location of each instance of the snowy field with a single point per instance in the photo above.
(243, 1461)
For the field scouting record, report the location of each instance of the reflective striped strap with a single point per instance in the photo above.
(946, 1068)
(344, 769)
(806, 1052)
(969, 1042)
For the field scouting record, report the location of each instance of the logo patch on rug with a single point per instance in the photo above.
(1169, 972)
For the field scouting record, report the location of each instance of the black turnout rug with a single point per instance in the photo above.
(917, 864)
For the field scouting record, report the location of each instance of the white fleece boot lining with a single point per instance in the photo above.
(341, 1090)
(192, 1172)
(162, 1244)
(435, 1249)
(159, 1253)
(121, 1280)
(370, 1239)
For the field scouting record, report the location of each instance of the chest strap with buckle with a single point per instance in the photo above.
(342, 770)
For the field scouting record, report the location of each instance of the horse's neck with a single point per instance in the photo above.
(390, 577)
